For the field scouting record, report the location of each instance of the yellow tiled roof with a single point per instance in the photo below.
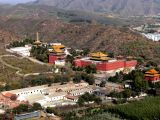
(101, 58)
(152, 71)
(153, 75)
(98, 54)
(58, 48)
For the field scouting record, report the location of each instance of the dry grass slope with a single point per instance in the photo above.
(26, 65)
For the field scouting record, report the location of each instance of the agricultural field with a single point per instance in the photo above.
(26, 65)
(148, 109)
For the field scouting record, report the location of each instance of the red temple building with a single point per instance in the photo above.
(152, 75)
(57, 54)
(106, 64)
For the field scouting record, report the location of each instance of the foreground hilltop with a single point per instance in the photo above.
(119, 40)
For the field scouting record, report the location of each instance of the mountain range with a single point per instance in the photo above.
(120, 7)
(96, 37)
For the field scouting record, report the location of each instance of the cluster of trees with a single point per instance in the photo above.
(86, 98)
(40, 53)
(147, 109)
(90, 69)
(24, 108)
(89, 78)
(50, 110)
(20, 43)
(43, 80)
(127, 93)
(151, 64)
(83, 52)
(61, 79)
(137, 78)
(74, 53)
(48, 80)
(91, 113)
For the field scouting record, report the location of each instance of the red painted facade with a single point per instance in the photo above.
(130, 63)
(107, 66)
(53, 58)
(152, 79)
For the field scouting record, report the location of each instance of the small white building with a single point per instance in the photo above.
(60, 62)
(152, 36)
(23, 51)
(25, 92)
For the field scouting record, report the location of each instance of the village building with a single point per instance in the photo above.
(22, 51)
(152, 75)
(54, 95)
(9, 100)
(104, 63)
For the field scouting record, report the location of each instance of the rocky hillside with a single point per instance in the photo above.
(121, 7)
(118, 40)
(7, 37)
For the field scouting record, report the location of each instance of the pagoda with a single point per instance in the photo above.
(152, 75)
(37, 42)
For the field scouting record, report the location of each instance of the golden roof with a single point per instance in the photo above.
(101, 58)
(152, 71)
(149, 75)
(98, 54)
(58, 48)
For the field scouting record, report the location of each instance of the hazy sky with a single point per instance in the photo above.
(15, 1)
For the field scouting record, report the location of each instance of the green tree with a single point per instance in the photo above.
(103, 84)
(50, 110)
(127, 93)
(70, 59)
(140, 84)
(91, 69)
(21, 108)
(77, 78)
(81, 101)
(98, 100)
(90, 79)
(86, 51)
(36, 106)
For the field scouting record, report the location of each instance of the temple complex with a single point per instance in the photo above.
(104, 63)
